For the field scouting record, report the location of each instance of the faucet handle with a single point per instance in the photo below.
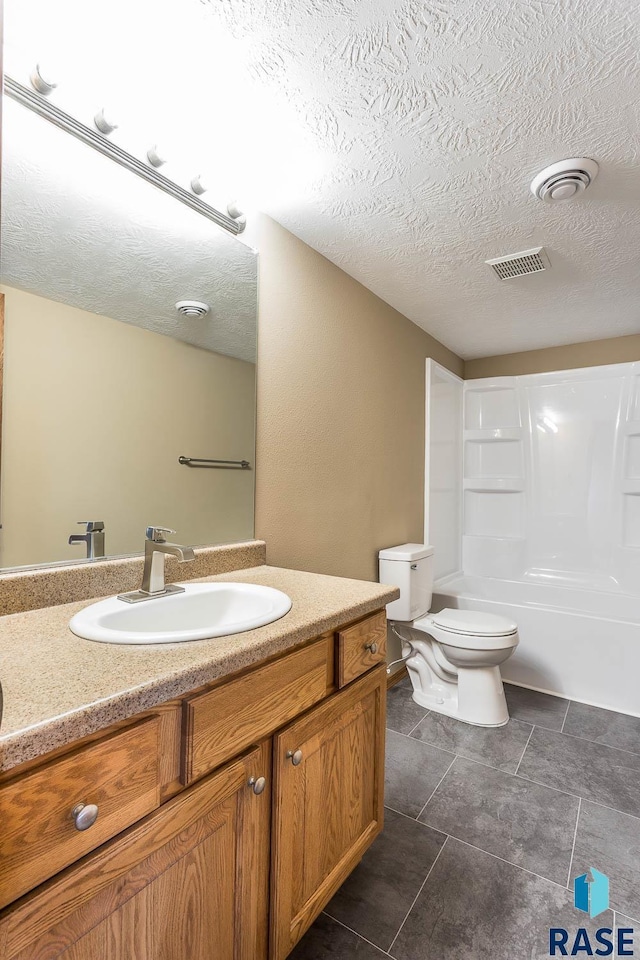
(92, 526)
(157, 534)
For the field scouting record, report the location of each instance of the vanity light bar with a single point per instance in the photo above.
(44, 108)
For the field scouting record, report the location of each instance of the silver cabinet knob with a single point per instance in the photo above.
(257, 784)
(295, 756)
(371, 647)
(84, 815)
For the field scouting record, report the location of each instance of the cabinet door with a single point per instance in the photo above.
(328, 803)
(191, 880)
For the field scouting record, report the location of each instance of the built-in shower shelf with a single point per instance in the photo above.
(632, 428)
(631, 487)
(494, 484)
(491, 405)
(498, 434)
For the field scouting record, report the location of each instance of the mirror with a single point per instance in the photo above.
(106, 384)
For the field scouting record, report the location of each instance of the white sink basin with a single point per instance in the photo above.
(204, 610)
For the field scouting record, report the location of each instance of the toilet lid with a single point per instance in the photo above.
(474, 623)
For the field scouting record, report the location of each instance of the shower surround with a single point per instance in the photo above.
(549, 479)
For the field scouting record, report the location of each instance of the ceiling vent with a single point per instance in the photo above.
(193, 309)
(520, 264)
(564, 180)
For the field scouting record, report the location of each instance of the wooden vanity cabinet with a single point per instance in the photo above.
(327, 805)
(238, 864)
(189, 881)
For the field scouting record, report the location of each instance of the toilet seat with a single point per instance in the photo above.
(473, 623)
(469, 629)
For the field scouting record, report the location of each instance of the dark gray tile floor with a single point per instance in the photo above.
(485, 831)
(603, 726)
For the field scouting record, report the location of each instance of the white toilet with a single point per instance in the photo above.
(455, 664)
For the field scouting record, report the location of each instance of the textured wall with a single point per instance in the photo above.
(341, 381)
(592, 354)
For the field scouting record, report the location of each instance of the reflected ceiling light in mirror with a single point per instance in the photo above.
(192, 309)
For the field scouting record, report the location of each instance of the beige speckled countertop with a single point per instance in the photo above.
(59, 688)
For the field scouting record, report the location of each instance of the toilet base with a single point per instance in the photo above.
(477, 698)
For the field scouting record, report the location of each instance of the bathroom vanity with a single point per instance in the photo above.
(220, 818)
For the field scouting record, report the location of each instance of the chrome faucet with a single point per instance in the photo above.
(155, 550)
(93, 537)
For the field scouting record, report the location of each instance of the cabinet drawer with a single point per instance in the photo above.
(222, 721)
(361, 647)
(39, 837)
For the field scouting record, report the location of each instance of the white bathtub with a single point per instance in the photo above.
(573, 642)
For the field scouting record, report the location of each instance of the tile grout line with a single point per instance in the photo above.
(561, 732)
(540, 783)
(598, 743)
(575, 837)
(490, 766)
(510, 863)
(617, 913)
(417, 895)
(356, 934)
(434, 791)
(418, 740)
(566, 714)
(515, 772)
(415, 726)
(443, 833)
(576, 796)
(407, 816)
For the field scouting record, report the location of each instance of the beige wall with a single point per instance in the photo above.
(96, 413)
(574, 355)
(341, 383)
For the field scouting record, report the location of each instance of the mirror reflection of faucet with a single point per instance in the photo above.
(93, 538)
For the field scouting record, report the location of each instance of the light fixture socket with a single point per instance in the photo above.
(41, 81)
(155, 158)
(234, 210)
(103, 123)
(198, 186)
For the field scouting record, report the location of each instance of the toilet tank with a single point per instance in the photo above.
(409, 567)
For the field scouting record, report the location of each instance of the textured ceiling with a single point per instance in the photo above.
(430, 118)
(79, 229)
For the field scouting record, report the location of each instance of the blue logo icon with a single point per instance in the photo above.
(591, 896)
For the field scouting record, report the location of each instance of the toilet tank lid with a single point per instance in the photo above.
(407, 551)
